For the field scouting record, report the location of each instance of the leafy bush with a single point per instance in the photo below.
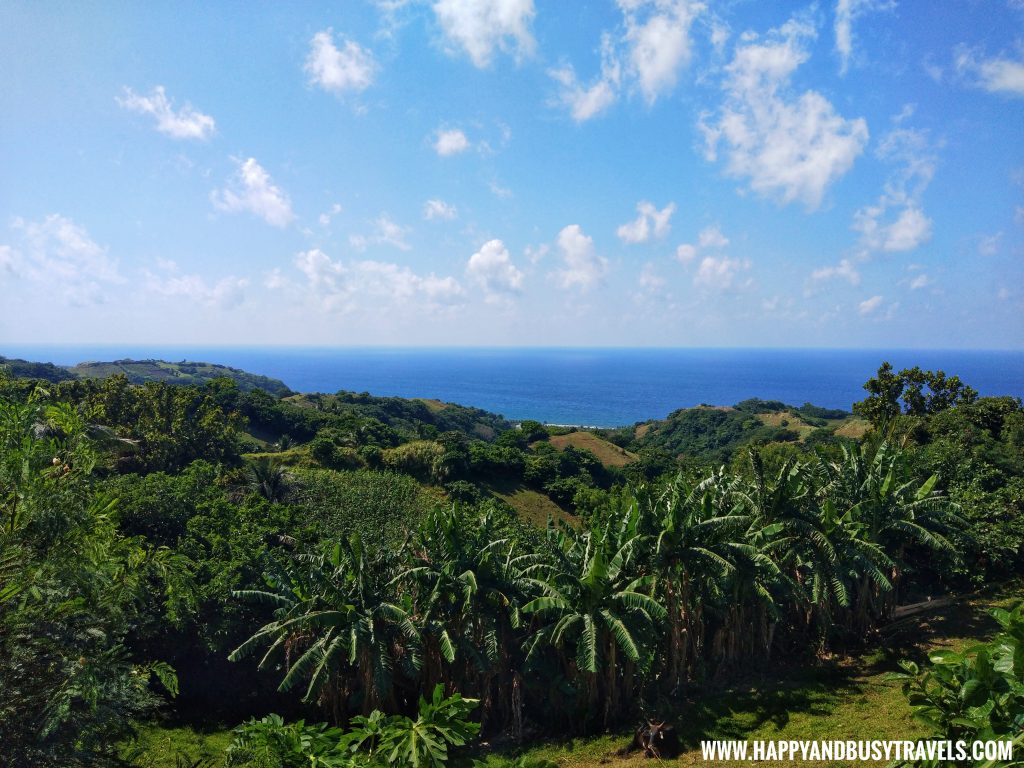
(397, 741)
(976, 695)
(273, 742)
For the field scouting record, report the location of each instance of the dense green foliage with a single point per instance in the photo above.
(919, 392)
(70, 590)
(375, 740)
(25, 369)
(976, 694)
(184, 372)
(666, 586)
(355, 555)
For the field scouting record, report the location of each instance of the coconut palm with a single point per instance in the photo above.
(266, 477)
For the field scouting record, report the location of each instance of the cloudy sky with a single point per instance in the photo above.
(846, 173)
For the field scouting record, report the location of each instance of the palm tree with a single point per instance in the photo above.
(763, 558)
(266, 477)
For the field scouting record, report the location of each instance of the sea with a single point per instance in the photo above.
(601, 387)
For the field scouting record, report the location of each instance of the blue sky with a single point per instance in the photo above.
(513, 172)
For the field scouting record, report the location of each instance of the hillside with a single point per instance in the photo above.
(26, 369)
(184, 372)
(606, 452)
(142, 371)
(716, 432)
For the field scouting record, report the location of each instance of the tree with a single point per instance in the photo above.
(693, 525)
(335, 617)
(920, 393)
(71, 589)
(596, 606)
(470, 582)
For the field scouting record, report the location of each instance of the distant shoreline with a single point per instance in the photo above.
(575, 386)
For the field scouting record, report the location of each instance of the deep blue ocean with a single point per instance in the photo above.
(595, 387)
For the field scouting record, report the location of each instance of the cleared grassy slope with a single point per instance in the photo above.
(607, 453)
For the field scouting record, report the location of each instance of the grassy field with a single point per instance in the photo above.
(607, 453)
(854, 427)
(531, 506)
(788, 420)
(840, 698)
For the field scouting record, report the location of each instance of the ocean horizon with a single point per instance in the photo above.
(590, 386)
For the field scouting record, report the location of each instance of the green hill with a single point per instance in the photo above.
(184, 372)
(142, 371)
(715, 432)
(26, 369)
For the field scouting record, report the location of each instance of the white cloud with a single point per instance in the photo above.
(710, 237)
(989, 244)
(478, 27)
(846, 13)
(653, 47)
(499, 191)
(789, 148)
(226, 293)
(585, 102)
(649, 281)
(719, 36)
(535, 253)
(348, 69)
(910, 228)
(719, 273)
(658, 40)
(439, 209)
(920, 282)
(186, 123)
(326, 216)
(582, 266)
(450, 142)
(441, 290)
(335, 286)
(844, 270)
(60, 255)
(251, 189)
(492, 269)
(650, 222)
(868, 306)
(686, 253)
(996, 75)
(385, 232)
(9, 260)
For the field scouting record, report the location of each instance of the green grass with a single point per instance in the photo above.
(530, 506)
(162, 746)
(606, 452)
